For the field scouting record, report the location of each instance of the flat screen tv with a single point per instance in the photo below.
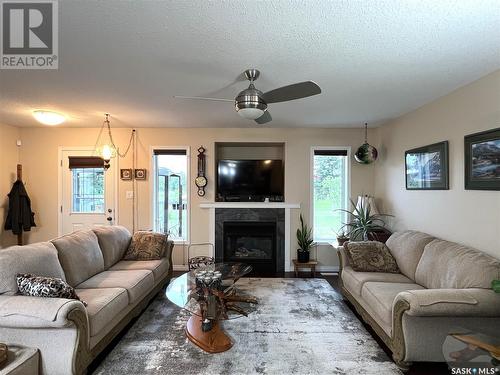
(250, 178)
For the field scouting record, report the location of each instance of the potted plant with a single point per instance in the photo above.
(366, 226)
(304, 240)
(495, 285)
(342, 238)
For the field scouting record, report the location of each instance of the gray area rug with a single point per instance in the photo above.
(301, 326)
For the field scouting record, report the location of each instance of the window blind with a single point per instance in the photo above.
(169, 152)
(330, 152)
(85, 162)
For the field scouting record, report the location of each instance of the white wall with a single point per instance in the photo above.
(8, 166)
(40, 148)
(467, 216)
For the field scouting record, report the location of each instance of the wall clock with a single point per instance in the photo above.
(201, 180)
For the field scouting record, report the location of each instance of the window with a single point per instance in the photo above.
(87, 190)
(330, 191)
(171, 192)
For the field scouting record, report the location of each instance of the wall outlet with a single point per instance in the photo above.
(130, 194)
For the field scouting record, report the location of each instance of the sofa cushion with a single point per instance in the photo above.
(113, 241)
(407, 248)
(80, 256)
(146, 245)
(159, 267)
(450, 265)
(370, 256)
(103, 305)
(138, 283)
(39, 259)
(355, 280)
(380, 296)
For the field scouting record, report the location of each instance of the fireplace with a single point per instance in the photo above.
(255, 236)
(251, 242)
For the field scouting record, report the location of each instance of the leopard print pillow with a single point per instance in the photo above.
(41, 286)
(146, 246)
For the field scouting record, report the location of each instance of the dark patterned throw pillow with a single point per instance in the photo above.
(146, 246)
(41, 286)
(370, 256)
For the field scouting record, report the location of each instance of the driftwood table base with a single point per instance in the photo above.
(213, 341)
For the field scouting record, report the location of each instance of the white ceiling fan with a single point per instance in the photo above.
(251, 103)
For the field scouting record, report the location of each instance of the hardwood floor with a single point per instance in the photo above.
(421, 368)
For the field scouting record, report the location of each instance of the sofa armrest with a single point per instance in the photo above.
(37, 312)
(343, 259)
(451, 302)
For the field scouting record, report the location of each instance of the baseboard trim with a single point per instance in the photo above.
(327, 268)
(180, 267)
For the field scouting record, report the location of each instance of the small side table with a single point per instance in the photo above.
(299, 265)
(21, 360)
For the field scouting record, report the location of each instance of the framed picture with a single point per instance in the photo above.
(482, 160)
(126, 174)
(427, 167)
(140, 174)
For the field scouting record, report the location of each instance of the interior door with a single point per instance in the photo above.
(88, 194)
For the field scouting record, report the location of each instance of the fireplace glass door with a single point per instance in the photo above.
(253, 243)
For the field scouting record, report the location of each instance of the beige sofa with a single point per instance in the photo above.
(442, 286)
(68, 334)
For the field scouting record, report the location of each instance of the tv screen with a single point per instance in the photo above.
(250, 177)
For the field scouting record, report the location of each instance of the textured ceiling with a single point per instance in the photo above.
(374, 60)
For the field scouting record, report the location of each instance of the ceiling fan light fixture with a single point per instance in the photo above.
(250, 113)
(251, 103)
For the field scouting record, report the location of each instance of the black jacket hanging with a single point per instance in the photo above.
(19, 217)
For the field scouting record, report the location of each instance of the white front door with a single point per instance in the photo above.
(87, 194)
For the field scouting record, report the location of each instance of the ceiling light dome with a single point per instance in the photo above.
(48, 117)
(249, 103)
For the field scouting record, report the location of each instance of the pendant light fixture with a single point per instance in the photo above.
(105, 146)
(366, 153)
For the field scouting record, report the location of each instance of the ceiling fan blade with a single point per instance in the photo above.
(266, 117)
(292, 92)
(203, 98)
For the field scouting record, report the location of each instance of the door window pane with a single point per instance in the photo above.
(88, 190)
(329, 195)
(171, 194)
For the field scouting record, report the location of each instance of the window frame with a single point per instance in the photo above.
(154, 190)
(347, 186)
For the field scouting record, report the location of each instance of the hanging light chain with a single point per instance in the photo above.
(113, 142)
(366, 132)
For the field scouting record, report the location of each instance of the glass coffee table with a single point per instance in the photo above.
(210, 295)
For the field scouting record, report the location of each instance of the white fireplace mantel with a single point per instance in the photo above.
(250, 205)
(286, 206)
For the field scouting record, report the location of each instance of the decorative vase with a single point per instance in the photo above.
(302, 256)
(342, 240)
(381, 235)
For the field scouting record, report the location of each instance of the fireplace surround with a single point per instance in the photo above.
(255, 236)
(276, 212)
